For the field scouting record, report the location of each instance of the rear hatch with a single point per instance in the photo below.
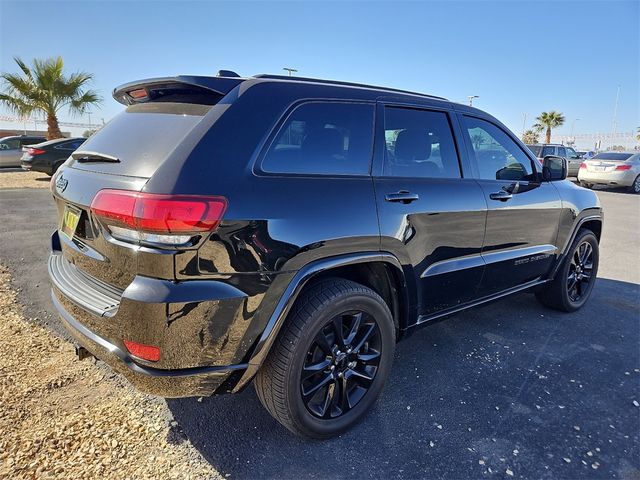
(161, 116)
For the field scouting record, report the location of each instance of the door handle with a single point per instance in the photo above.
(402, 196)
(502, 195)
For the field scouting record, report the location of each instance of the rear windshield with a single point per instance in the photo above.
(536, 149)
(141, 137)
(620, 157)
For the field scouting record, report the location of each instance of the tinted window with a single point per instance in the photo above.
(142, 137)
(536, 149)
(613, 156)
(548, 151)
(72, 145)
(323, 138)
(10, 144)
(562, 152)
(497, 156)
(31, 141)
(419, 144)
(571, 153)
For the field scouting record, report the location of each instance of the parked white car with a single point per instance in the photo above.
(615, 169)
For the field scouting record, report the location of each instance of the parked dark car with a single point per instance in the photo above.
(11, 148)
(290, 231)
(47, 157)
(574, 160)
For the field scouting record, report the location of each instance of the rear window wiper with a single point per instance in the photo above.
(86, 157)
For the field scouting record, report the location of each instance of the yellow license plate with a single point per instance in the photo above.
(70, 221)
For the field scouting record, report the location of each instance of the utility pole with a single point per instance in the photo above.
(471, 97)
(615, 117)
(290, 70)
(573, 124)
(524, 122)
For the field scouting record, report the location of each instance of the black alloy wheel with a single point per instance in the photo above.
(580, 271)
(341, 364)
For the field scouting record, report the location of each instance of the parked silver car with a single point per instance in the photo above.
(11, 148)
(616, 169)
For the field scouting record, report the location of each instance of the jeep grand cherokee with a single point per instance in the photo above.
(290, 231)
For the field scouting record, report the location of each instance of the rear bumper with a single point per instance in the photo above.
(623, 178)
(37, 167)
(188, 382)
(202, 327)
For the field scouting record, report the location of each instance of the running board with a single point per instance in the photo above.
(429, 318)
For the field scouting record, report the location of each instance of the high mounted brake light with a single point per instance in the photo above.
(152, 218)
(138, 94)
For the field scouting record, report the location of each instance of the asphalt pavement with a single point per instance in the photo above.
(508, 390)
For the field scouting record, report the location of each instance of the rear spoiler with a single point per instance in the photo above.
(206, 90)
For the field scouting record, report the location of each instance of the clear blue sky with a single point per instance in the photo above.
(518, 56)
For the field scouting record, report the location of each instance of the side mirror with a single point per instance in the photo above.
(554, 168)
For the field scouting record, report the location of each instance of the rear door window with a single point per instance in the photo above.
(562, 152)
(327, 138)
(548, 151)
(419, 143)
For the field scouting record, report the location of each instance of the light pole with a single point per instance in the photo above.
(89, 113)
(471, 97)
(573, 124)
(524, 122)
(290, 70)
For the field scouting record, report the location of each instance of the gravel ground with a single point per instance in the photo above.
(22, 179)
(92, 425)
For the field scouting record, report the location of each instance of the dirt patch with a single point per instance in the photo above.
(68, 419)
(24, 180)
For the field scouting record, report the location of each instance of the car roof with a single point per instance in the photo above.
(223, 84)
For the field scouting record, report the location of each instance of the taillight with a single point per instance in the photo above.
(623, 167)
(145, 352)
(35, 151)
(583, 165)
(159, 219)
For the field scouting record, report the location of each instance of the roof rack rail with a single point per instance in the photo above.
(346, 84)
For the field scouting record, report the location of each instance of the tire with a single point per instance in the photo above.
(586, 185)
(566, 293)
(635, 186)
(279, 383)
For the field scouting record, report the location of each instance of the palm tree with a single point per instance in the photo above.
(530, 137)
(44, 88)
(550, 120)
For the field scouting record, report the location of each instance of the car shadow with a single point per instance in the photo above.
(511, 385)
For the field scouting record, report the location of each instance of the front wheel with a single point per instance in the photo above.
(573, 283)
(330, 360)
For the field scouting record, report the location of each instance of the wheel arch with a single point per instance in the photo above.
(382, 272)
(592, 223)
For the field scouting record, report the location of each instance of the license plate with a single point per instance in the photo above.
(70, 221)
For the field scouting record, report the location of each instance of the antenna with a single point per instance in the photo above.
(290, 70)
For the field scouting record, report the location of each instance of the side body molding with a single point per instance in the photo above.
(288, 298)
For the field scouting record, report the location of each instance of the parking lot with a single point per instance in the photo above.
(510, 389)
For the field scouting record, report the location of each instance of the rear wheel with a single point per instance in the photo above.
(635, 186)
(330, 360)
(586, 185)
(574, 281)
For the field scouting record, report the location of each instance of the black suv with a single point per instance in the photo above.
(291, 230)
